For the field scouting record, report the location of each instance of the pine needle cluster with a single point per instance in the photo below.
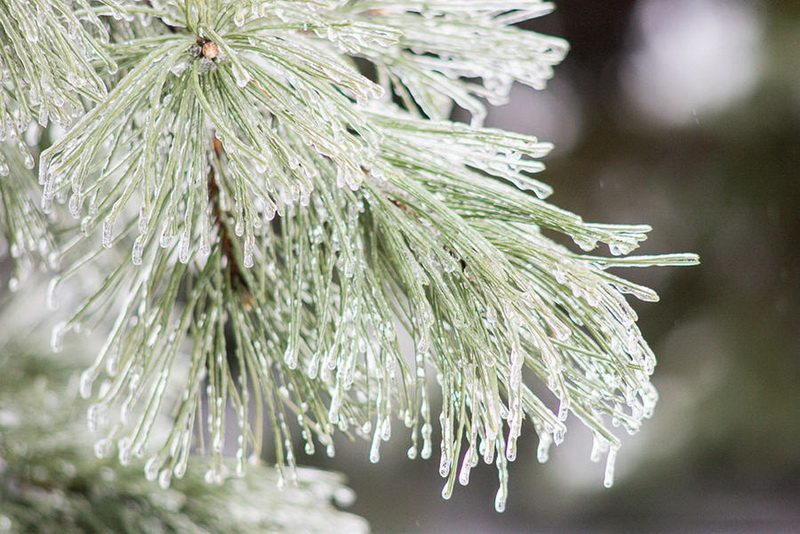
(51, 482)
(294, 202)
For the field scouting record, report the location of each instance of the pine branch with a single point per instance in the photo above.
(49, 61)
(51, 482)
(442, 44)
(27, 236)
(289, 218)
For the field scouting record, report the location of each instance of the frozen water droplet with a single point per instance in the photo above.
(248, 255)
(44, 117)
(124, 446)
(57, 336)
(75, 202)
(241, 76)
(143, 221)
(511, 449)
(500, 500)
(561, 276)
(94, 416)
(102, 448)
(563, 409)
(375, 449)
(543, 451)
(386, 429)
(239, 18)
(463, 475)
(164, 478)
(427, 444)
(108, 228)
(618, 249)
(585, 243)
(85, 385)
(611, 459)
(183, 254)
(447, 491)
(444, 467)
(210, 476)
(138, 246)
(558, 436)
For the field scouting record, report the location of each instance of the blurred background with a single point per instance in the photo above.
(684, 114)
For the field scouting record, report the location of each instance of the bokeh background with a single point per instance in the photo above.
(684, 114)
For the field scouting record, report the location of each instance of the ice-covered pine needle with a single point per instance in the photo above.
(293, 200)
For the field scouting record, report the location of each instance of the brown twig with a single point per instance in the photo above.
(220, 218)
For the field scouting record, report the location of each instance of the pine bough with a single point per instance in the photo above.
(296, 202)
(50, 480)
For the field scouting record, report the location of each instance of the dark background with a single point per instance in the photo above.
(684, 114)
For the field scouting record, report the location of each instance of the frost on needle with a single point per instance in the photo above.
(295, 200)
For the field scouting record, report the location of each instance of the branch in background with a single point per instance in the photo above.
(51, 482)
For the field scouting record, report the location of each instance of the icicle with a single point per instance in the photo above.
(563, 409)
(57, 336)
(599, 446)
(153, 466)
(543, 451)
(608, 480)
(124, 446)
(85, 383)
(444, 465)
(241, 76)
(502, 491)
(558, 435)
(108, 228)
(386, 429)
(488, 451)
(248, 254)
(426, 432)
(511, 448)
(95, 416)
(239, 17)
(102, 448)
(138, 246)
(183, 459)
(467, 465)
(375, 449)
(586, 243)
(447, 490)
(183, 254)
